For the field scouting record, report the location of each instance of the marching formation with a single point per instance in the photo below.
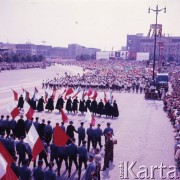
(54, 146)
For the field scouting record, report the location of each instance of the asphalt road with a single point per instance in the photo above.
(142, 129)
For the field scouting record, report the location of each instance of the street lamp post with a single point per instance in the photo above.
(155, 35)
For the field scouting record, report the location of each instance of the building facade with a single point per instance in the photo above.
(167, 47)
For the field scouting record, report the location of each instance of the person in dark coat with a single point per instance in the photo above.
(81, 134)
(70, 131)
(15, 167)
(50, 174)
(82, 107)
(24, 171)
(72, 153)
(108, 109)
(100, 109)
(115, 112)
(40, 105)
(75, 105)
(20, 127)
(33, 103)
(60, 103)
(38, 173)
(50, 104)
(94, 106)
(41, 129)
(69, 105)
(88, 103)
(20, 102)
(21, 150)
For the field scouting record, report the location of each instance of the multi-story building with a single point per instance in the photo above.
(75, 50)
(43, 50)
(28, 49)
(167, 47)
(61, 52)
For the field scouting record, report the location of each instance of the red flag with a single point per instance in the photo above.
(63, 92)
(46, 97)
(54, 94)
(15, 95)
(105, 97)
(13, 110)
(95, 95)
(33, 139)
(6, 160)
(93, 121)
(60, 137)
(64, 116)
(28, 110)
(68, 92)
(89, 92)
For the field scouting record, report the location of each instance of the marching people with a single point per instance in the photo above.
(48, 132)
(83, 156)
(100, 108)
(90, 168)
(90, 136)
(21, 102)
(38, 173)
(60, 103)
(50, 104)
(75, 105)
(82, 107)
(81, 134)
(44, 153)
(40, 105)
(20, 127)
(97, 136)
(72, 155)
(70, 131)
(24, 171)
(62, 155)
(69, 105)
(50, 174)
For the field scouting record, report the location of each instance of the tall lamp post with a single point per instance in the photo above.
(155, 34)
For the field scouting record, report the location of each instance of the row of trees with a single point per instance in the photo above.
(21, 58)
(86, 57)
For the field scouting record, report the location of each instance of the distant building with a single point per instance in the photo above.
(43, 50)
(61, 52)
(167, 47)
(7, 47)
(26, 49)
(75, 50)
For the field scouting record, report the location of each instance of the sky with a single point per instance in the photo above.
(100, 24)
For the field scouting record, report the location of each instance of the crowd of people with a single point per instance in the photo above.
(113, 75)
(171, 102)
(89, 148)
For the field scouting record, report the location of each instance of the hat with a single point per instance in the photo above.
(70, 122)
(82, 123)
(43, 120)
(84, 142)
(2, 116)
(7, 116)
(108, 123)
(99, 125)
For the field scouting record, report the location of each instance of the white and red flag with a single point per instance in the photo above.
(26, 95)
(13, 109)
(46, 97)
(89, 117)
(64, 116)
(6, 160)
(15, 95)
(78, 90)
(60, 137)
(28, 110)
(34, 141)
(35, 94)
(68, 92)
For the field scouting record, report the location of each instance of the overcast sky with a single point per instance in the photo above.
(93, 23)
